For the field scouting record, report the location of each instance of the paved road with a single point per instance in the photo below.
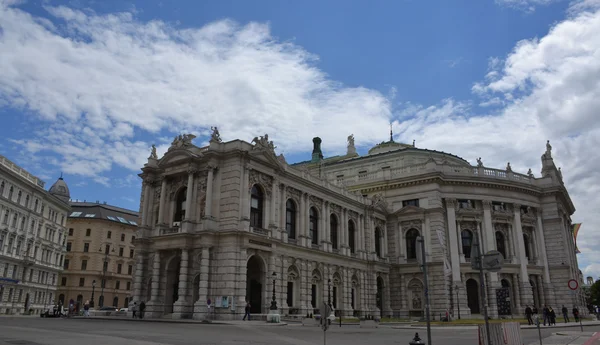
(36, 331)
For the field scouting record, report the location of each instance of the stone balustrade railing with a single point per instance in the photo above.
(424, 168)
(21, 172)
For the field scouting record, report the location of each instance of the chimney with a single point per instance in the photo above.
(317, 154)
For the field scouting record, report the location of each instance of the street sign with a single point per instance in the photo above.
(492, 261)
(573, 285)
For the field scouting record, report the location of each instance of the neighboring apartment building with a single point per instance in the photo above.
(32, 239)
(98, 266)
(232, 221)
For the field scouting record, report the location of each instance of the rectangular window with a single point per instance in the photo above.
(412, 202)
(70, 231)
(81, 281)
(121, 251)
(109, 234)
(117, 285)
(88, 232)
(129, 269)
(103, 283)
(130, 253)
(334, 297)
(119, 268)
(86, 247)
(313, 296)
(122, 237)
(69, 246)
(132, 239)
(128, 286)
(63, 281)
(83, 265)
(66, 264)
(105, 266)
(107, 249)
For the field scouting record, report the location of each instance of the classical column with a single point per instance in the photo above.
(272, 218)
(327, 227)
(323, 227)
(200, 308)
(519, 240)
(372, 234)
(542, 247)
(189, 194)
(245, 197)
(163, 199)
(181, 307)
(518, 301)
(209, 192)
(156, 277)
(145, 206)
(283, 213)
(344, 231)
(453, 239)
(303, 228)
(138, 278)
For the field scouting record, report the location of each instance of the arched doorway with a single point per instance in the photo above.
(255, 274)
(379, 295)
(503, 298)
(473, 296)
(171, 294)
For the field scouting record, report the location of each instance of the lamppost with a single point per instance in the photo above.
(104, 267)
(93, 290)
(329, 293)
(457, 301)
(274, 301)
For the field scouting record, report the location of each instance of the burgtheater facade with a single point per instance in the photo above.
(233, 223)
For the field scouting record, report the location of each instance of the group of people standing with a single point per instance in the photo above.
(549, 315)
(142, 308)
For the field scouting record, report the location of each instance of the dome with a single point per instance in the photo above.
(387, 146)
(60, 190)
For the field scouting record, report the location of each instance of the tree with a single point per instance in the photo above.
(595, 293)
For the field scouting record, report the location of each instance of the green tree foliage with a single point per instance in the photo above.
(595, 293)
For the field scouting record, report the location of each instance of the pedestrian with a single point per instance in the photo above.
(576, 314)
(552, 317)
(134, 309)
(142, 308)
(528, 313)
(86, 309)
(71, 307)
(247, 312)
(546, 315)
(565, 313)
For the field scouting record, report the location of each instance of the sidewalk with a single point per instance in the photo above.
(423, 325)
(207, 322)
(571, 338)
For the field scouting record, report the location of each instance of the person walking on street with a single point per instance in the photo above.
(142, 308)
(86, 309)
(528, 313)
(247, 312)
(552, 316)
(546, 315)
(576, 313)
(134, 309)
(565, 313)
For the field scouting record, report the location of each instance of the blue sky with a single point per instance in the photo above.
(87, 86)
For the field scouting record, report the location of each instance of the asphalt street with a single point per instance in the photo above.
(35, 331)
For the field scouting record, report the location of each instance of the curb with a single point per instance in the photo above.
(184, 321)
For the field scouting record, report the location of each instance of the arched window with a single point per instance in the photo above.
(411, 243)
(313, 225)
(351, 237)
(467, 242)
(526, 244)
(500, 243)
(333, 225)
(10, 193)
(378, 242)
(36, 205)
(19, 195)
(2, 188)
(27, 201)
(290, 219)
(115, 302)
(126, 304)
(180, 205)
(256, 207)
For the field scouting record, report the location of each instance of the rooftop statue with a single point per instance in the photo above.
(153, 152)
(508, 167)
(215, 136)
(263, 142)
(182, 141)
(479, 162)
(351, 140)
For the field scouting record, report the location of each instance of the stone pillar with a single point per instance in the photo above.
(323, 227)
(163, 198)
(542, 247)
(453, 239)
(387, 305)
(304, 281)
(200, 306)
(372, 236)
(189, 195)
(138, 278)
(517, 283)
(209, 193)
(526, 294)
(384, 246)
(273, 210)
(303, 228)
(145, 205)
(245, 198)
(283, 214)
(181, 308)
(154, 307)
(327, 227)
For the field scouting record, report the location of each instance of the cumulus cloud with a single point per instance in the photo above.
(101, 80)
(525, 5)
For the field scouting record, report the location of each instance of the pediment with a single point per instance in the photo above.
(268, 158)
(409, 210)
(176, 156)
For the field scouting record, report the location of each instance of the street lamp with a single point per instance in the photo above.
(93, 290)
(104, 267)
(329, 293)
(457, 301)
(274, 301)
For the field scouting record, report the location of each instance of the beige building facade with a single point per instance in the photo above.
(32, 239)
(234, 223)
(99, 261)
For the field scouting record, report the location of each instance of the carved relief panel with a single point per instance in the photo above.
(265, 181)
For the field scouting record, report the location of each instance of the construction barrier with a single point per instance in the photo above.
(506, 333)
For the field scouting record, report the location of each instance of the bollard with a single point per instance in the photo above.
(416, 340)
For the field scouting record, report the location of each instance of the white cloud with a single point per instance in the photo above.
(525, 5)
(125, 77)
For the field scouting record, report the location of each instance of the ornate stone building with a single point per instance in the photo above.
(231, 221)
(99, 261)
(32, 239)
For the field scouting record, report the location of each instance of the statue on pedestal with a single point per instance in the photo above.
(153, 152)
(215, 136)
(479, 162)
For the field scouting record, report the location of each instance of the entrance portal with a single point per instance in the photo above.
(171, 294)
(254, 288)
(473, 296)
